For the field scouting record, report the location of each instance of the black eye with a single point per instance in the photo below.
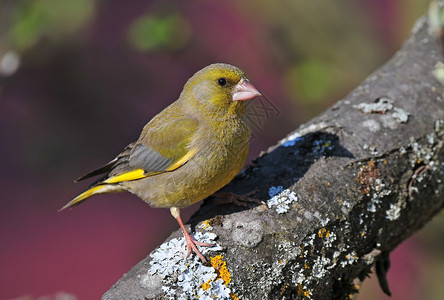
(222, 81)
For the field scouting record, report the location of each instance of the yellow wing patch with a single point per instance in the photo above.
(183, 160)
(128, 176)
(108, 185)
(140, 173)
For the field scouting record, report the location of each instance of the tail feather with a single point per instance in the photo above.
(121, 159)
(105, 169)
(115, 171)
(98, 189)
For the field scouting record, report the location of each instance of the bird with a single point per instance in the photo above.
(188, 151)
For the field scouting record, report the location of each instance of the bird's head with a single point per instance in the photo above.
(219, 89)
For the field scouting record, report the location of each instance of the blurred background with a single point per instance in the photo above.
(80, 78)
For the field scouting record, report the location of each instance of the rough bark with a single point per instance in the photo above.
(352, 184)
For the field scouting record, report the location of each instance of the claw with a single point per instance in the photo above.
(192, 243)
(239, 200)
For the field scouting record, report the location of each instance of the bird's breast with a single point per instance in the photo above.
(221, 154)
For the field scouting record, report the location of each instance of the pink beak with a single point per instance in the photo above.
(244, 90)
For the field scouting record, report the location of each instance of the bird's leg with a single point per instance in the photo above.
(191, 242)
(239, 200)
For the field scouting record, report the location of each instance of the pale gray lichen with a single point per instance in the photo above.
(394, 212)
(288, 248)
(329, 240)
(183, 278)
(371, 149)
(423, 153)
(375, 201)
(281, 199)
(309, 241)
(169, 292)
(320, 266)
(400, 115)
(299, 276)
(402, 150)
(217, 290)
(369, 258)
(350, 258)
(168, 258)
(336, 254)
(381, 106)
(431, 138)
(194, 277)
(347, 204)
(361, 218)
(325, 221)
(372, 205)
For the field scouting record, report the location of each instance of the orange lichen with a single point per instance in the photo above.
(323, 232)
(206, 285)
(302, 251)
(302, 292)
(220, 266)
(306, 266)
(234, 296)
(206, 224)
(212, 222)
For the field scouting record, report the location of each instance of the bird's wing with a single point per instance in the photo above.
(162, 147)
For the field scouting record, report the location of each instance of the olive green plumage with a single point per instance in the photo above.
(188, 151)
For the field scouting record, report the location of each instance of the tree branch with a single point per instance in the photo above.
(342, 192)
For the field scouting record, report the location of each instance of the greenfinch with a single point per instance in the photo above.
(188, 151)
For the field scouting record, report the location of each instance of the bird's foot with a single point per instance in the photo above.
(192, 246)
(239, 200)
(189, 239)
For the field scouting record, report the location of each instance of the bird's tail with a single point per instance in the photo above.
(94, 190)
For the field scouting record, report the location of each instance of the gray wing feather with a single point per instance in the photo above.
(148, 159)
(134, 156)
